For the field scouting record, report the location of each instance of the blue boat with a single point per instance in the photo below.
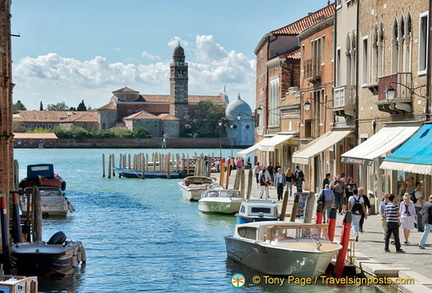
(148, 174)
(255, 210)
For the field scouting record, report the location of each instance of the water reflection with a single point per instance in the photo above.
(64, 284)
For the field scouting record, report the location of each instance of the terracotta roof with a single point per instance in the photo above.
(192, 99)
(109, 106)
(306, 22)
(85, 116)
(48, 135)
(293, 55)
(125, 90)
(141, 115)
(167, 116)
(156, 98)
(54, 116)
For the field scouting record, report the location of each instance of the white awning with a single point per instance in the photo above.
(270, 144)
(385, 140)
(319, 145)
(253, 148)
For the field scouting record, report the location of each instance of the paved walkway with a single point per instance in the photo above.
(369, 250)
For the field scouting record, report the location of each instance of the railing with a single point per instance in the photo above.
(312, 70)
(403, 92)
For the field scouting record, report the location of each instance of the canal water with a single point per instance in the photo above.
(140, 235)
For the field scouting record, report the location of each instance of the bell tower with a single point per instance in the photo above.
(178, 101)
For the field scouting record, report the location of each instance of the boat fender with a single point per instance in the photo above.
(63, 185)
(57, 238)
(70, 206)
(82, 254)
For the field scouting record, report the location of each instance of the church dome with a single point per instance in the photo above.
(238, 106)
(178, 51)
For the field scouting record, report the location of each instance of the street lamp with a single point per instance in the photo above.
(220, 139)
(390, 92)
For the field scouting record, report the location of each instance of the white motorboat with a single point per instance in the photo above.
(220, 200)
(53, 201)
(282, 248)
(193, 186)
(18, 284)
(255, 210)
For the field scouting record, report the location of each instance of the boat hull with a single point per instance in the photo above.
(148, 174)
(219, 205)
(272, 260)
(40, 258)
(250, 219)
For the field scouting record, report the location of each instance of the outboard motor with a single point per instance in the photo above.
(57, 238)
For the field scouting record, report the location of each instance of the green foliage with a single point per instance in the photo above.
(141, 132)
(19, 106)
(39, 130)
(41, 106)
(203, 120)
(82, 106)
(81, 133)
(58, 107)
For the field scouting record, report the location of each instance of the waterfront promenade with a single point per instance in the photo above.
(370, 256)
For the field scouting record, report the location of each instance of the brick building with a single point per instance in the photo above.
(161, 115)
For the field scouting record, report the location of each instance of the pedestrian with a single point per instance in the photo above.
(265, 182)
(217, 165)
(367, 207)
(408, 216)
(290, 180)
(338, 187)
(392, 215)
(257, 171)
(248, 162)
(329, 200)
(418, 203)
(383, 204)
(326, 180)
(279, 182)
(402, 191)
(276, 167)
(299, 178)
(356, 206)
(349, 187)
(239, 163)
(428, 222)
(270, 169)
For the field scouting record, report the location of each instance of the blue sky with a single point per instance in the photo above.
(84, 49)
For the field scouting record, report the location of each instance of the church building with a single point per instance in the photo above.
(161, 115)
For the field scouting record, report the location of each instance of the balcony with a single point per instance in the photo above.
(312, 70)
(344, 101)
(402, 102)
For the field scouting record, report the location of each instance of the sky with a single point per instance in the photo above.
(83, 50)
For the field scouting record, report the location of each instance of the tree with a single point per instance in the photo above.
(82, 106)
(19, 106)
(41, 106)
(203, 120)
(58, 107)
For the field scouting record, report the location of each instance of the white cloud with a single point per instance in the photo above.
(52, 78)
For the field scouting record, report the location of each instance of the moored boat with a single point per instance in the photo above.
(255, 210)
(220, 200)
(193, 186)
(42, 175)
(53, 201)
(18, 284)
(130, 173)
(41, 258)
(282, 248)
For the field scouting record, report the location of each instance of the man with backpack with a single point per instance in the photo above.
(357, 207)
(299, 178)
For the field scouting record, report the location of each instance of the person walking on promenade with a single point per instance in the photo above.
(418, 203)
(349, 187)
(265, 182)
(279, 182)
(270, 169)
(299, 178)
(356, 206)
(428, 222)
(329, 201)
(408, 216)
(289, 180)
(367, 205)
(257, 171)
(326, 180)
(392, 215)
(382, 206)
(338, 187)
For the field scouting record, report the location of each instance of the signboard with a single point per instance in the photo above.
(301, 203)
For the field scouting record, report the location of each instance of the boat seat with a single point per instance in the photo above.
(57, 238)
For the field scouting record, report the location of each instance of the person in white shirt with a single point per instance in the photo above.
(264, 182)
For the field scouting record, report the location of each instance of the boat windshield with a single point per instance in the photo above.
(311, 231)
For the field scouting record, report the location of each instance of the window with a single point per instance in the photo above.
(423, 40)
(338, 64)
(365, 60)
(274, 101)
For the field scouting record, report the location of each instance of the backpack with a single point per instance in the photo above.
(413, 197)
(357, 207)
